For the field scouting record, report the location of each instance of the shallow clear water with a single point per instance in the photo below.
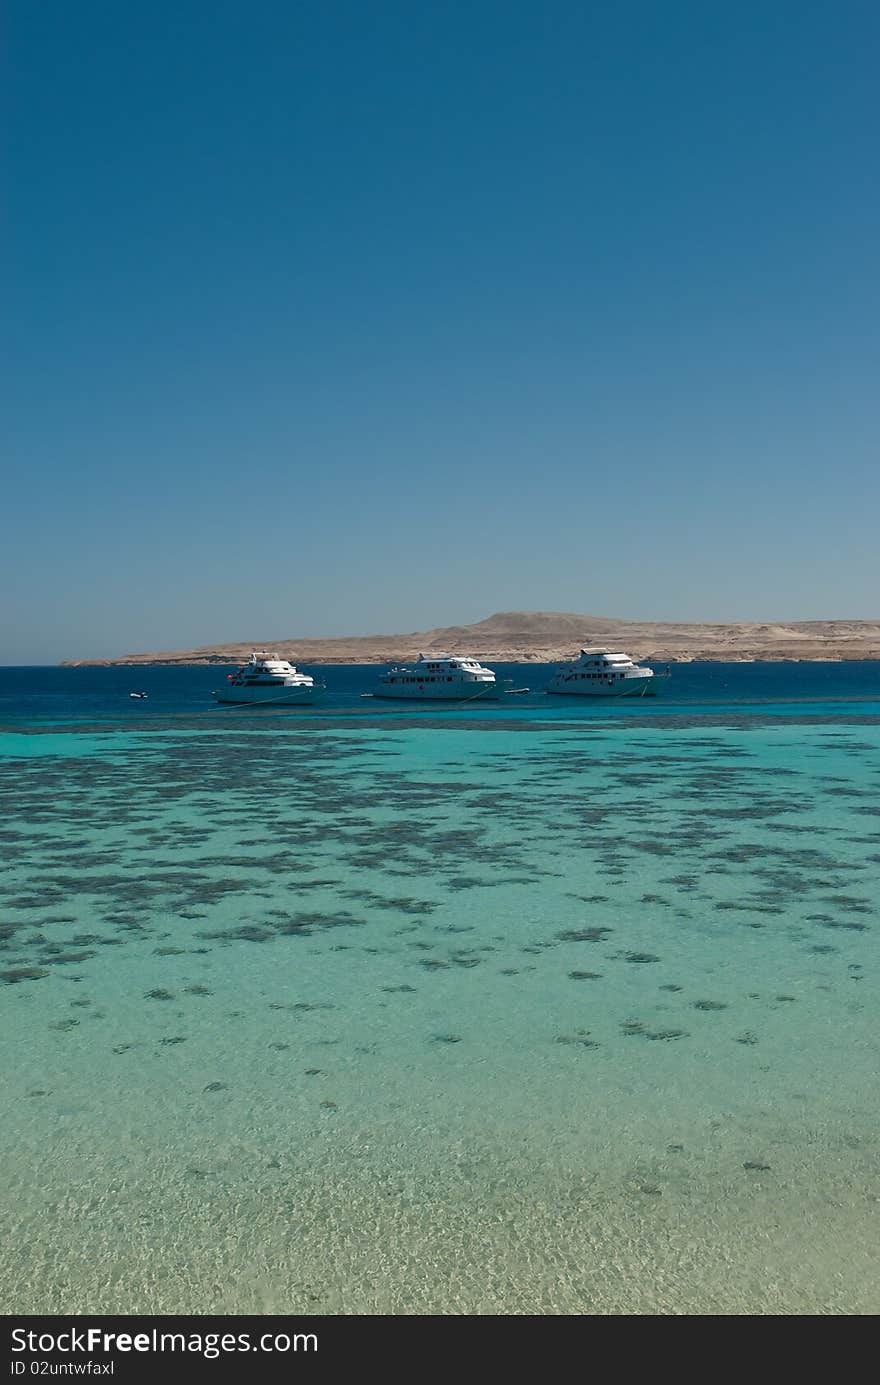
(541, 1008)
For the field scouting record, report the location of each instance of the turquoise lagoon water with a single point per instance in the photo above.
(536, 1008)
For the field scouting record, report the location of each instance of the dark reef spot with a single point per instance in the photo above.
(158, 994)
(709, 1005)
(247, 932)
(583, 935)
(581, 1037)
(849, 924)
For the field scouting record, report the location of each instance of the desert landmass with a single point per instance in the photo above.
(549, 636)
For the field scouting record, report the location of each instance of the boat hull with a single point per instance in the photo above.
(300, 696)
(619, 687)
(464, 692)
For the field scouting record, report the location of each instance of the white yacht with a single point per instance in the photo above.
(443, 677)
(600, 673)
(266, 679)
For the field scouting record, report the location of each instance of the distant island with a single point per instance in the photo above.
(548, 636)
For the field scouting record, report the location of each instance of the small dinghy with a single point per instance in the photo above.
(138, 695)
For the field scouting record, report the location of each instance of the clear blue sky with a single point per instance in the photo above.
(355, 317)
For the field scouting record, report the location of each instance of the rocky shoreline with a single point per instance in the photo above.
(548, 637)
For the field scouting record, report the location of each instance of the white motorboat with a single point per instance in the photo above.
(439, 677)
(601, 673)
(267, 680)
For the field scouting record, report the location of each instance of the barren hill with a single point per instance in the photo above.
(546, 636)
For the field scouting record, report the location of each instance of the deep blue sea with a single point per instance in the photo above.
(540, 1006)
(63, 694)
